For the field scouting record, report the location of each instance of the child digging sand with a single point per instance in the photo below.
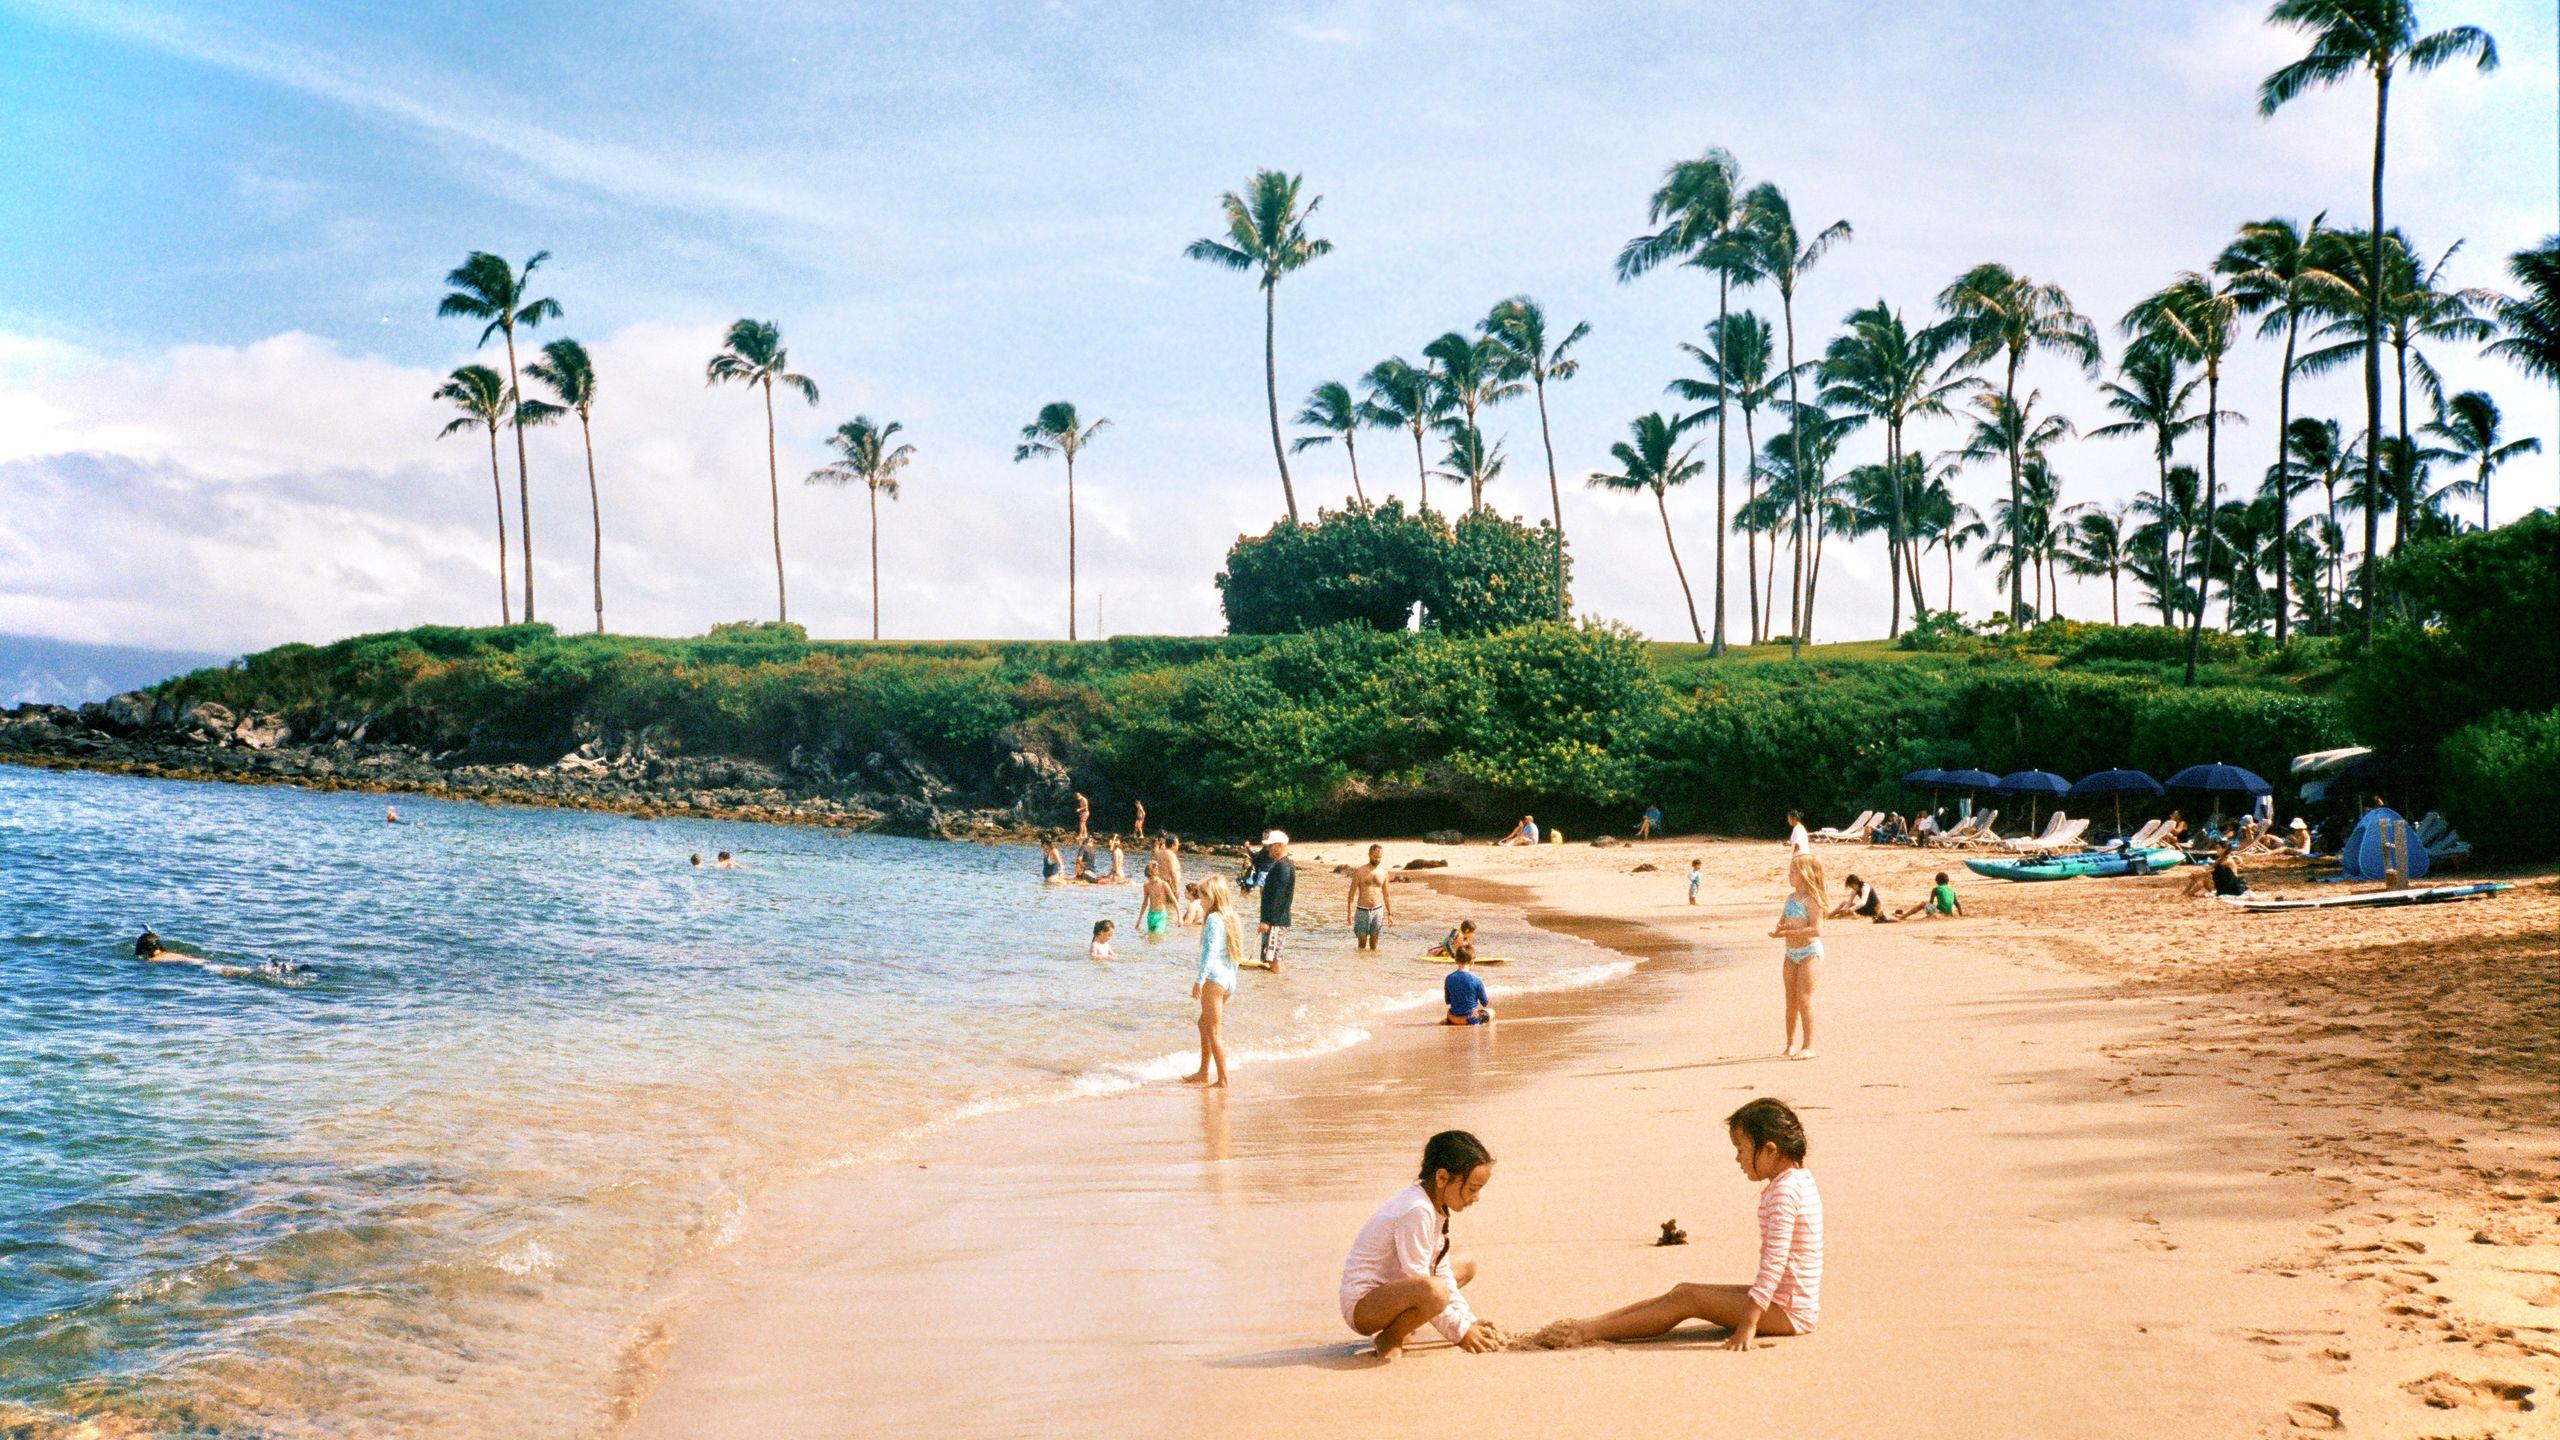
(1400, 1276)
(1784, 1297)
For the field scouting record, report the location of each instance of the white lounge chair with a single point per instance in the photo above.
(1986, 832)
(2063, 836)
(1857, 829)
(1958, 833)
(2141, 839)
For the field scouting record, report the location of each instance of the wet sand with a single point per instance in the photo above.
(2096, 1161)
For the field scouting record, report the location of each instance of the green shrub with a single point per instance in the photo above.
(1938, 630)
(1366, 566)
(2151, 644)
(1498, 573)
(2477, 635)
(2499, 782)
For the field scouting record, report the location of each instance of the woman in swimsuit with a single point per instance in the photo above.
(1800, 926)
(1053, 871)
(1221, 941)
(1155, 904)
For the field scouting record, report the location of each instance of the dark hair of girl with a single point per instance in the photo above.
(1455, 1151)
(1769, 1122)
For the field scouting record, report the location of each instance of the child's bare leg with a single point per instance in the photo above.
(1723, 1305)
(1393, 1311)
(1804, 978)
(1213, 1031)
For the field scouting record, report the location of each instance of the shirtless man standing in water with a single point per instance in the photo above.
(1370, 912)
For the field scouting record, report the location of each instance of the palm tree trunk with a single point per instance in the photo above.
(1951, 576)
(498, 492)
(1695, 629)
(524, 491)
(1750, 538)
(595, 512)
(1352, 449)
(1893, 538)
(2166, 591)
(1795, 451)
(1422, 468)
(1724, 301)
(2284, 487)
(773, 483)
(1555, 497)
(2373, 353)
(2115, 602)
(1271, 391)
(2404, 485)
(1071, 549)
(2484, 492)
(2212, 493)
(875, 560)
(2017, 502)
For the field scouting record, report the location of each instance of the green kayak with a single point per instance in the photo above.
(2095, 863)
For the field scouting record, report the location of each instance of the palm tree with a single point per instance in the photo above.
(482, 397)
(2530, 322)
(2154, 399)
(1471, 461)
(2469, 424)
(2197, 323)
(1885, 371)
(2099, 543)
(2028, 532)
(1471, 375)
(1267, 231)
(753, 356)
(566, 368)
(1519, 328)
(1998, 312)
(486, 287)
(2275, 272)
(1797, 465)
(1648, 461)
(1740, 349)
(1703, 220)
(867, 458)
(1781, 254)
(1061, 432)
(1397, 395)
(2315, 452)
(2003, 428)
(2378, 37)
(1333, 414)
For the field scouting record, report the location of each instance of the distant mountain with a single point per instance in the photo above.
(65, 672)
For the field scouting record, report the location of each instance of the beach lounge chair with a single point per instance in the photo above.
(2442, 845)
(1984, 833)
(2433, 828)
(1855, 830)
(2063, 834)
(2141, 839)
(1958, 833)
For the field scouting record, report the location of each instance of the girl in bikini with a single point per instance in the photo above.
(1800, 926)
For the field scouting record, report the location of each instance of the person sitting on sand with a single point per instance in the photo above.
(725, 863)
(1367, 905)
(1524, 833)
(1924, 829)
(2173, 833)
(2222, 880)
(1800, 926)
(1100, 949)
(1221, 943)
(1861, 899)
(2301, 843)
(1940, 903)
(1785, 1296)
(1053, 869)
(1464, 993)
(1460, 941)
(1891, 830)
(1155, 903)
(1650, 823)
(1400, 1275)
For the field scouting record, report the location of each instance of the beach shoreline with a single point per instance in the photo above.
(1162, 1263)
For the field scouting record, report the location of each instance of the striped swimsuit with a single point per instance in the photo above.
(1790, 1277)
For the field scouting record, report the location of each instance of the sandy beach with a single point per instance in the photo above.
(2096, 1160)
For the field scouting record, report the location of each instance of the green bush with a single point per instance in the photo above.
(1938, 630)
(1498, 573)
(2083, 643)
(2476, 635)
(2499, 781)
(1366, 565)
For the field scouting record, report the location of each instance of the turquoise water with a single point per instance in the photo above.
(537, 1065)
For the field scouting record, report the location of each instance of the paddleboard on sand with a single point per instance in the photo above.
(2431, 895)
(1429, 959)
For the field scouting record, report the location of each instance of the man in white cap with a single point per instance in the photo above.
(1279, 888)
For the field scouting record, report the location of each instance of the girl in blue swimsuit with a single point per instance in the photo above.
(1221, 941)
(1800, 926)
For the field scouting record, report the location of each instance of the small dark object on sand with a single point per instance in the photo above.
(1426, 864)
(1646, 866)
(1672, 1234)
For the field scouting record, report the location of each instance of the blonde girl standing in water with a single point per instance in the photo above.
(1800, 926)
(1221, 941)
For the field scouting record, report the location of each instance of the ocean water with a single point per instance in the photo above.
(535, 1066)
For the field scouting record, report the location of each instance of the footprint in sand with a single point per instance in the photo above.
(2312, 1415)
(2445, 1391)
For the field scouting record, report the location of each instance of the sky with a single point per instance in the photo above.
(223, 231)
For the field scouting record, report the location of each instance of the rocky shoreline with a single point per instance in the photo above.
(889, 786)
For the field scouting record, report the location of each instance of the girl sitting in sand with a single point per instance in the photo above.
(1400, 1275)
(1221, 941)
(1800, 926)
(1785, 1297)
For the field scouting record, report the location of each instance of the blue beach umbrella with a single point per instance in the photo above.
(1925, 779)
(2036, 785)
(2218, 780)
(1969, 780)
(2115, 785)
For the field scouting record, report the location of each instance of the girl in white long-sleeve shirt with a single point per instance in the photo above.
(1400, 1275)
(1785, 1296)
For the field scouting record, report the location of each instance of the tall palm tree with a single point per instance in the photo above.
(2275, 272)
(486, 287)
(2472, 430)
(2028, 533)
(1999, 313)
(2156, 400)
(1472, 376)
(1649, 459)
(1740, 349)
(2378, 37)
(1796, 466)
(2316, 453)
(2529, 323)
(753, 356)
(2198, 323)
(1471, 461)
(1884, 370)
(865, 457)
(1702, 219)
(2002, 428)
(571, 374)
(1398, 395)
(2097, 543)
(482, 397)
(1963, 529)
(1059, 431)
(1267, 232)
(1519, 329)
(1781, 254)
(1333, 414)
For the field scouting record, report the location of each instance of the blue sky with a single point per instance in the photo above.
(228, 224)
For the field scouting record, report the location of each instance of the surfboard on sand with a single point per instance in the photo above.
(2371, 899)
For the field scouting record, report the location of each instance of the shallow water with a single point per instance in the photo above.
(537, 1065)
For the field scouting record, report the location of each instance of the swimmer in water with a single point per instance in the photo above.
(725, 863)
(697, 859)
(390, 814)
(148, 947)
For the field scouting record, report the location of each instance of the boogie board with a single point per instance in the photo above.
(2430, 895)
(1445, 960)
(2096, 864)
